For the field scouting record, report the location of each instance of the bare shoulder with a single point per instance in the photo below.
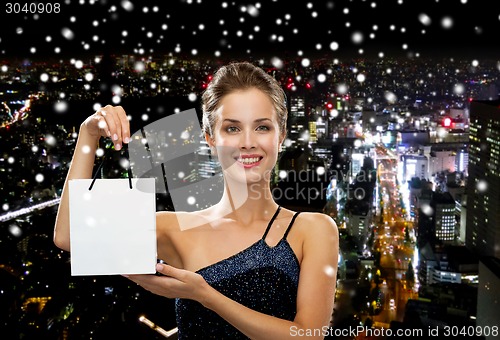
(319, 239)
(318, 224)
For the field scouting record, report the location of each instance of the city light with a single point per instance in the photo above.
(153, 326)
(375, 158)
(447, 122)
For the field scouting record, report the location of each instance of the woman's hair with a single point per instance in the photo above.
(240, 76)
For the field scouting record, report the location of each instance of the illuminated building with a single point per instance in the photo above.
(297, 122)
(443, 206)
(487, 295)
(483, 186)
(414, 166)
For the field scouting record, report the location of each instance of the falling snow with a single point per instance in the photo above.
(61, 106)
(15, 230)
(67, 33)
(482, 186)
(50, 140)
(224, 29)
(193, 26)
(427, 209)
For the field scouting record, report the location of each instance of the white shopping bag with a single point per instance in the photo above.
(112, 227)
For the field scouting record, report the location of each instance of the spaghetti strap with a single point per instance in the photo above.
(271, 222)
(290, 225)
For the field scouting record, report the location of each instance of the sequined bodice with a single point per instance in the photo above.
(261, 277)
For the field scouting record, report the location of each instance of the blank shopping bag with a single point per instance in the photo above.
(112, 226)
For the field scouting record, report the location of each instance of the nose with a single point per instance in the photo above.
(247, 140)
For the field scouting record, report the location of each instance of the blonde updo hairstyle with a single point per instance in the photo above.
(240, 76)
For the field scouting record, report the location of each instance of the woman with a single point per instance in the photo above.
(249, 268)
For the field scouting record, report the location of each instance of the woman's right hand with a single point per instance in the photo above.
(109, 121)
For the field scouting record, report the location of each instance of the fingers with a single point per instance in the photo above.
(164, 286)
(114, 123)
(148, 282)
(168, 270)
(124, 125)
(173, 283)
(101, 124)
(175, 273)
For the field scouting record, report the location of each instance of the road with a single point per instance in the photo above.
(396, 253)
(395, 249)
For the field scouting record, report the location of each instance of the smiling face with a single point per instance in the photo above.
(247, 135)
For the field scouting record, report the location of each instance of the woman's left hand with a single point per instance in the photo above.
(176, 283)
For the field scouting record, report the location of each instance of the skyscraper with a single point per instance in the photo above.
(297, 122)
(443, 206)
(483, 185)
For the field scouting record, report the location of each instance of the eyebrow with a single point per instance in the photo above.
(259, 120)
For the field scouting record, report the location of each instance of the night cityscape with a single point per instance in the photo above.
(399, 144)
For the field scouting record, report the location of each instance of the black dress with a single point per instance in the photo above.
(259, 277)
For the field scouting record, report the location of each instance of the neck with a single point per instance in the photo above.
(248, 201)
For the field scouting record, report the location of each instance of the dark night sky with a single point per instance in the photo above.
(86, 27)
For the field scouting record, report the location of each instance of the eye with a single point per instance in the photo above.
(231, 129)
(263, 128)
